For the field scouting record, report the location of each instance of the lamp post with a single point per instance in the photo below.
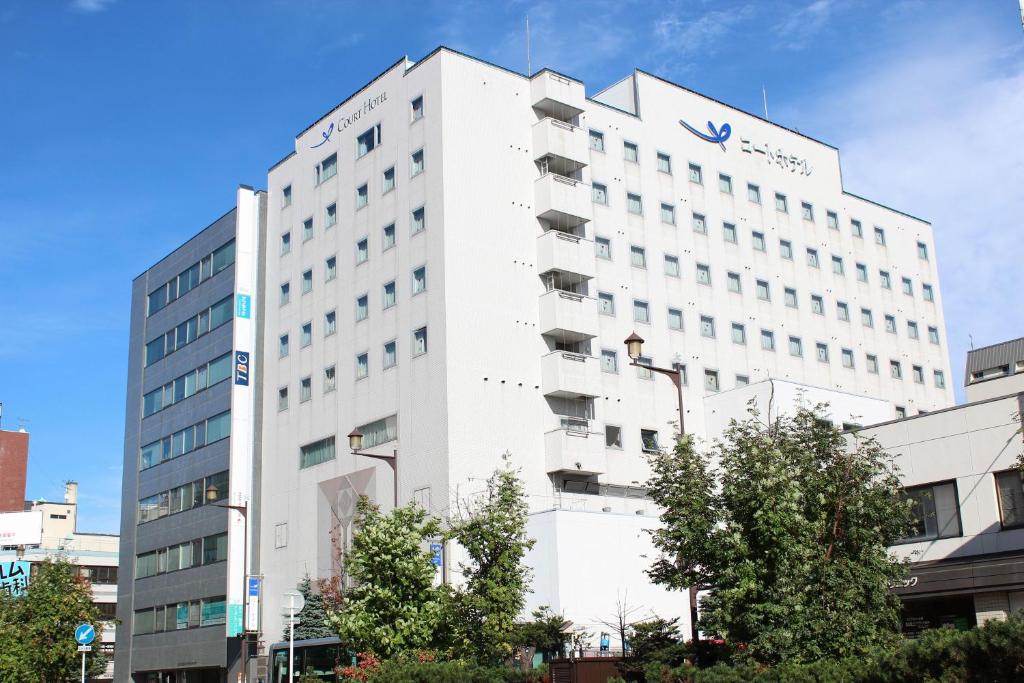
(355, 444)
(211, 499)
(19, 551)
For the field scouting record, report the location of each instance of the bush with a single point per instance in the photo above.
(451, 672)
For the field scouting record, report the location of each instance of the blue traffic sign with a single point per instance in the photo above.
(84, 634)
(435, 554)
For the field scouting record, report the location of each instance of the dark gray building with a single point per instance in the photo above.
(189, 449)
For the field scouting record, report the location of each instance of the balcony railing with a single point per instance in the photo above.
(561, 251)
(568, 374)
(563, 201)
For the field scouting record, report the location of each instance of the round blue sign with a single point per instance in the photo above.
(84, 634)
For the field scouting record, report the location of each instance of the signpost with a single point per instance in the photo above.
(84, 634)
(293, 604)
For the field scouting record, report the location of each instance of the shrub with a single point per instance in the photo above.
(451, 672)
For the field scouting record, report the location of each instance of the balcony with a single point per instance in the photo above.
(576, 450)
(568, 316)
(570, 375)
(564, 145)
(561, 251)
(557, 96)
(562, 201)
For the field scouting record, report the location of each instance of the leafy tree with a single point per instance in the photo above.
(313, 618)
(492, 531)
(548, 633)
(654, 643)
(786, 525)
(37, 642)
(393, 605)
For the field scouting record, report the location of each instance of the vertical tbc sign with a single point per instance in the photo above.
(242, 368)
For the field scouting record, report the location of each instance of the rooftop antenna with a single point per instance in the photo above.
(529, 64)
(764, 95)
(971, 336)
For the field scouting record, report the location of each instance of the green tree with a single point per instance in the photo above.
(313, 618)
(654, 643)
(548, 633)
(37, 643)
(492, 531)
(392, 606)
(786, 525)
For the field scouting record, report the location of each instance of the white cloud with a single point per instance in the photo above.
(91, 6)
(934, 127)
(796, 30)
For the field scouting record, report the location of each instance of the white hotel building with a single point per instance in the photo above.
(455, 254)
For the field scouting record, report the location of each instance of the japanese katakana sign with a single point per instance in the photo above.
(14, 577)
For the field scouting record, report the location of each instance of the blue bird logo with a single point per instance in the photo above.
(719, 135)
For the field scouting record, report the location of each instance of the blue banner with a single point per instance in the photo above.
(14, 577)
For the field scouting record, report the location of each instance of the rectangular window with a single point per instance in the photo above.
(307, 281)
(933, 335)
(282, 398)
(330, 268)
(671, 265)
(282, 346)
(703, 274)
(664, 163)
(856, 228)
(753, 193)
(390, 354)
(707, 326)
(388, 238)
(316, 452)
(366, 142)
(286, 293)
(362, 196)
(699, 224)
(822, 352)
(786, 249)
(866, 319)
(419, 341)
(603, 246)
(724, 183)
(306, 338)
(596, 141)
(362, 307)
(362, 251)
(872, 361)
(649, 440)
(833, 220)
(862, 272)
(638, 256)
(634, 204)
(330, 216)
(884, 279)
(812, 258)
(416, 163)
(940, 379)
(847, 355)
(327, 169)
(936, 511)
(286, 243)
(389, 294)
(599, 193)
(307, 229)
(763, 292)
(609, 361)
(837, 265)
(695, 174)
(629, 151)
(605, 303)
(668, 214)
(419, 220)
(742, 380)
(1010, 487)
(739, 334)
(790, 297)
(419, 280)
(612, 436)
(908, 286)
(286, 196)
(330, 323)
(767, 340)
(918, 373)
(817, 305)
(711, 380)
(641, 311)
(729, 233)
(922, 251)
(879, 236)
(806, 211)
(796, 347)
(675, 319)
(927, 292)
(681, 369)
(780, 203)
(912, 330)
(416, 108)
(362, 365)
(734, 283)
(842, 311)
(330, 379)
(895, 369)
(890, 324)
(387, 181)
(758, 241)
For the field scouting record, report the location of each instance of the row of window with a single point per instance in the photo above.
(98, 574)
(936, 507)
(417, 224)
(187, 385)
(725, 185)
(638, 259)
(374, 434)
(181, 498)
(362, 368)
(366, 142)
(190, 278)
(390, 289)
(190, 330)
(642, 311)
(180, 615)
(194, 553)
(186, 440)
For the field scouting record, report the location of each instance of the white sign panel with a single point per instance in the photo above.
(21, 528)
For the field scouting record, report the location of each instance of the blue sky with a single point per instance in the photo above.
(125, 127)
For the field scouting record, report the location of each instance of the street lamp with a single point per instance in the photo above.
(19, 551)
(211, 499)
(355, 444)
(634, 348)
